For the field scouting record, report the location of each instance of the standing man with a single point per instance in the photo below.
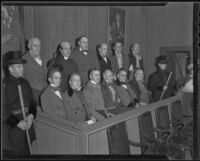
(118, 58)
(102, 56)
(84, 58)
(157, 81)
(63, 59)
(13, 124)
(34, 70)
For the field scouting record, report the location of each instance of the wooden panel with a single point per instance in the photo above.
(52, 140)
(133, 134)
(98, 143)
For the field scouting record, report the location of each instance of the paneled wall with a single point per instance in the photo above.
(151, 27)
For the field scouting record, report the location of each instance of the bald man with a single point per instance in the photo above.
(34, 70)
(63, 59)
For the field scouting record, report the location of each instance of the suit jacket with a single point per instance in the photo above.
(132, 60)
(127, 95)
(94, 98)
(107, 95)
(52, 104)
(84, 63)
(69, 67)
(103, 64)
(78, 109)
(125, 63)
(34, 73)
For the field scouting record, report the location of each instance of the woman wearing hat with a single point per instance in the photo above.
(14, 125)
(157, 82)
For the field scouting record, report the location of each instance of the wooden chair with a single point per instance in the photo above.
(149, 143)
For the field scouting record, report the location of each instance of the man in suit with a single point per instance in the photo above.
(52, 97)
(63, 59)
(118, 58)
(104, 61)
(84, 58)
(127, 95)
(110, 94)
(34, 70)
(93, 95)
(13, 124)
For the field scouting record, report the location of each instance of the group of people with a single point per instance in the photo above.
(80, 86)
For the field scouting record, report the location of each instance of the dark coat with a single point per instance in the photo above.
(34, 73)
(135, 86)
(103, 64)
(69, 67)
(132, 60)
(14, 139)
(156, 82)
(84, 63)
(127, 96)
(52, 104)
(77, 109)
(107, 95)
(125, 63)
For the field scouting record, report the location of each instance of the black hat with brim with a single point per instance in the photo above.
(162, 59)
(13, 57)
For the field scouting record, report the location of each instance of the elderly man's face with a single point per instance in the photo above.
(109, 77)
(55, 79)
(83, 43)
(75, 82)
(17, 70)
(103, 50)
(139, 75)
(35, 47)
(122, 76)
(95, 76)
(66, 49)
(136, 48)
(118, 47)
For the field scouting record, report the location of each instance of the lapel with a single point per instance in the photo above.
(34, 64)
(54, 96)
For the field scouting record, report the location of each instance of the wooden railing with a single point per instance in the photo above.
(58, 136)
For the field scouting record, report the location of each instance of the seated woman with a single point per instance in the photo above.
(77, 109)
(144, 93)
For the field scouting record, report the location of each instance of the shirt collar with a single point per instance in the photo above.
(93, 82)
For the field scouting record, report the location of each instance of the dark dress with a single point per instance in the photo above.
(14, 139)
(156, 82)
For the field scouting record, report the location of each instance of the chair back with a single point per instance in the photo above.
(162, 119)
(146, 128)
